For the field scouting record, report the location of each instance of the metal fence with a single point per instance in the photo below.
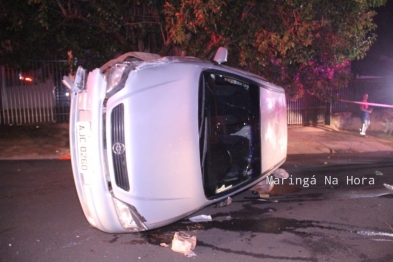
(37, 95)
(34, 95)
(307, 110)
(310, 110)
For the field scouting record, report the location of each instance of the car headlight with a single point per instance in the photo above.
(115, 76)
(80, 80)
(128, 216)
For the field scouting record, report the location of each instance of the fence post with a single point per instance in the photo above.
(2, 89)
(328, 113)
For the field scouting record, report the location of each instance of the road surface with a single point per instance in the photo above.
(344, 214)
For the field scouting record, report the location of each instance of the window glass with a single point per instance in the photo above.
(228, 131)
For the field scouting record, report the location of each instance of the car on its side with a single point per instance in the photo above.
(154, 139)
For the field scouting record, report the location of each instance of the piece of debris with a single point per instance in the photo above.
(225, 202)
(264, 195)
(192, 254)
(201, 218)
(184, 243)
(378, 173)
(390, 187)
(164, 245)
(263, 187)
(281, 173)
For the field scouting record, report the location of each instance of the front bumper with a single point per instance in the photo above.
(88, 156)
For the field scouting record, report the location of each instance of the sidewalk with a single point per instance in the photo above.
(40, 141)
(50, 141)
(324, 139)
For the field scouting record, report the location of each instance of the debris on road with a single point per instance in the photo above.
(263, 187)
(184, 243)
(281, 173)
(378, 173)
(390, 187)
(264, 195)
(201, 218)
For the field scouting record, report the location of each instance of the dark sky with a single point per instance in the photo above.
(379, 59)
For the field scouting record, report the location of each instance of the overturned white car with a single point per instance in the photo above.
(154, 139)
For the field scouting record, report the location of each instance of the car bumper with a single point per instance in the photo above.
(88, 155)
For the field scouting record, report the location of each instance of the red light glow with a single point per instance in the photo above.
(27, 79)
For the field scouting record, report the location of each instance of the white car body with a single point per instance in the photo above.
(174, 135)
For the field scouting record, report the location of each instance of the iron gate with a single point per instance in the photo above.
(34, 95)
(307, 111)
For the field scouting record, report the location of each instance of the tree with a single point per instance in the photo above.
(300, 45)
(94, 30)
(304, 46)
(307, 45)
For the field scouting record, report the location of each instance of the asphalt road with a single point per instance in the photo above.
(334, 219)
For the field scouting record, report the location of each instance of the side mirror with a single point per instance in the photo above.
(221, 55)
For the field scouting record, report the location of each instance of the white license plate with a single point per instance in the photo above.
(83, 137)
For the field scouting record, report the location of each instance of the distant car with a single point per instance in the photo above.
(154, 139)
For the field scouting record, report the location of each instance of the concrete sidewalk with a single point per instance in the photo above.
(323, 139)
(40, 141)
(50, 141)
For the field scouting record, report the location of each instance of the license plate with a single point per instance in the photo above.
(83, 137)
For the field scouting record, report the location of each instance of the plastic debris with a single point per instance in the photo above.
(201, 218)
(192, 254)
(264, 195)
(281, 173)
(390, 187)
(263, 187)
(378, 173)
(184, 243)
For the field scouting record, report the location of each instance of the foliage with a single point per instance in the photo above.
(307, 45)
(94, 30)
(304, 46)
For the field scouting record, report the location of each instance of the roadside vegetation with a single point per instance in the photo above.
(304, 46)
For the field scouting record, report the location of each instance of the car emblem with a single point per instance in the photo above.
(118, 148)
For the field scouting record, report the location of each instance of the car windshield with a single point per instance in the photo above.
(229, 132)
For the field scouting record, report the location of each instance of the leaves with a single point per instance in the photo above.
(309, 43)
(304, 46)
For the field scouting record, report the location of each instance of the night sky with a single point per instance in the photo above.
(379, 59)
